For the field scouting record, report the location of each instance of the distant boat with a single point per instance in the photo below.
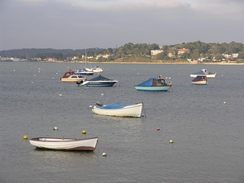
(98, 81)
(84, 72)
(97, 69)
(88, 144)
(204, 72)
(71, 77)
(200, 80)
(154, 84)
(119, 109)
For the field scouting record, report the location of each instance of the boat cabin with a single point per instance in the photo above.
(159, 82)
(68, 74)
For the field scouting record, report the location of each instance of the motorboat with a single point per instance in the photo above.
(97, 69)
(119, 109)
(98, 81)
(71, 77)
(154, 84)
(204, 72)
(200, 80)
(71, 144)
(84, 71)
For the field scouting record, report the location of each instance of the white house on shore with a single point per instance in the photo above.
(155, 52)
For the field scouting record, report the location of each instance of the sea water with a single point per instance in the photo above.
(205, 123)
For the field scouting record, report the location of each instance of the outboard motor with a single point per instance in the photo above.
(99, 104)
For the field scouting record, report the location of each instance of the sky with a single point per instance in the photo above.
(81, 24)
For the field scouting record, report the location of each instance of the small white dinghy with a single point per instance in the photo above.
(70, 144)
(119, 109)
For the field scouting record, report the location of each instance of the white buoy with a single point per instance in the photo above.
(55, 128)
(224, 102)
(60, 95)
(102, 94)
(104, 154)
(90, 105)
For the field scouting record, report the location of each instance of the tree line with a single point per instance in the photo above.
(140, 51)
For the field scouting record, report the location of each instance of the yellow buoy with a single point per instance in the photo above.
(25, 137)
(171, 141)
(84, 132)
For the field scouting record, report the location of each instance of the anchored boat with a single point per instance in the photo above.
(71, 144)
(119, 109)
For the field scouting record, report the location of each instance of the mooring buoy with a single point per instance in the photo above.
(104, 154)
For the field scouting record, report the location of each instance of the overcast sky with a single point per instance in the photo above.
(80, 24)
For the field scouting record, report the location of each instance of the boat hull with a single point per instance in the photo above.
(153, 88)
(199, 82)
(128, 111)
(85, 73)
(67, 144)
(99, 83)
(207, 75)
(71, 80)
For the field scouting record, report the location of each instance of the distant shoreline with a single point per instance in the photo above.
(162, 63)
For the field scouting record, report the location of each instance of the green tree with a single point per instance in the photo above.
(241, 55)
(163, 56)
(219, 57)
(60, 56)
(195, 54)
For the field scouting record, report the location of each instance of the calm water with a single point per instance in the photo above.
(208, 134)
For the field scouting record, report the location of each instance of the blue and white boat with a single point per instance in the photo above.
(119, 109)
(98, 81)
(204, 72)
(154, 84)
(84, 72)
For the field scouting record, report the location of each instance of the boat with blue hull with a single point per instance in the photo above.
(98, 81)
(154, 84)
(84, 72)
